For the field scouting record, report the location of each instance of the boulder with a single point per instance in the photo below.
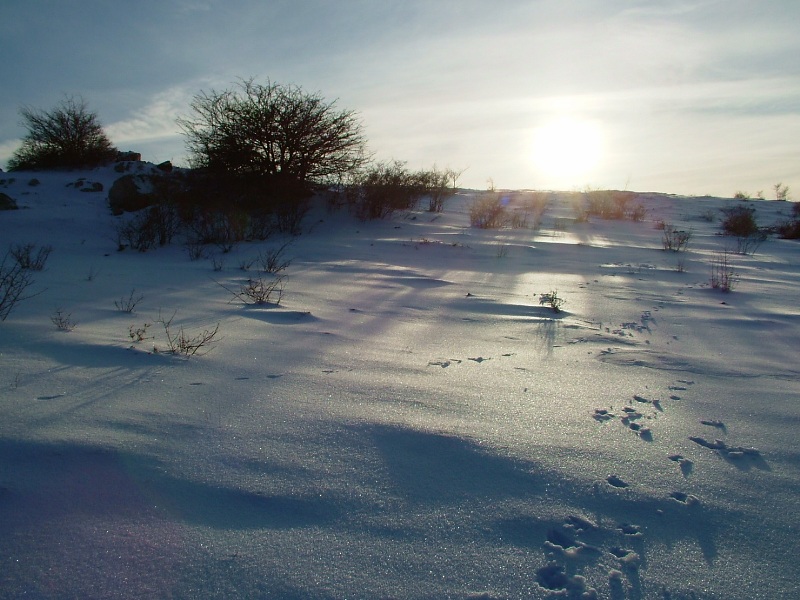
(132, 192)
(7, 202)
(165, 166)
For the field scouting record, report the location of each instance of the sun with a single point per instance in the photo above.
(566, 150)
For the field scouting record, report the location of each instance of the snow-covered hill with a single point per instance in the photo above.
(409, 422)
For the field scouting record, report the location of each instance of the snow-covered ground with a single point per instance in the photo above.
(409, 422)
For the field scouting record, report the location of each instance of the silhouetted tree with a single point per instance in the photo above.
(68, 136)
(275, 131)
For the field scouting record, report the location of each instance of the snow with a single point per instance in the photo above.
(409, 422)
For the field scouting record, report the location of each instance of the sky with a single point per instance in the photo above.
(689, 97)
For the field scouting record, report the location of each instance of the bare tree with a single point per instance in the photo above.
(273, 130)
(68, 136)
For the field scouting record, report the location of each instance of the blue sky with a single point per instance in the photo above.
(690, 97)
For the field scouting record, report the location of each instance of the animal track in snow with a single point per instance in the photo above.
(685, 464)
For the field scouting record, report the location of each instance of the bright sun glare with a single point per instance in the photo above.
(566, 150)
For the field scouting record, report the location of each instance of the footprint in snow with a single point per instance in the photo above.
(685, 464)
(616, 481)
(683, 498)
(480, 359)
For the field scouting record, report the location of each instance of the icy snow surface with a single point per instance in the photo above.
(409, 422)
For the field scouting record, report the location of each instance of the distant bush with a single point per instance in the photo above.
(781, 191)
(790, 230)
(385, 187)
(68, 136)
(739, 221)
(613, 205)
(488, 211)
(438, 186)
(527, 209)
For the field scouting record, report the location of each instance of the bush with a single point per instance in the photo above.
(438, 188)
(552, 300)
(152, 226)
(739, 221)
(527, 209)
(386, 187)
(488, 211)
(181, 342)
(675, 239)
(781, 191)
(722, 274)
(612, 205)
(16, 277)
(68, 136)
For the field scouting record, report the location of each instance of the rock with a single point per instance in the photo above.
(165, 166)
(130, 193)
(7, 202)
(92, 186)
(128, 156)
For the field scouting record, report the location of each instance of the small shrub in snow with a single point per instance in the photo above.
(748, 244)
(675, 239)
(272, 261)
(28, 257)
(16, 274)
(488, 211)
(181, 342)
(781, 191)
(14, 281)
(259, 290)
(63, 321)
(739, 221)
(552, 300)
(139, 334)
(128, 304)
(722, 274)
